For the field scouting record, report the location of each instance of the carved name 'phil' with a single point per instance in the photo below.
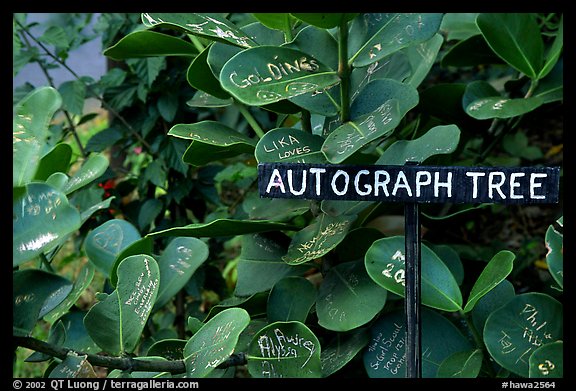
(410, 183)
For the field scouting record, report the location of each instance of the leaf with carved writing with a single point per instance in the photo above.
(73, 366)
(318, 238)
(206, 26)
(32, 116)
(211, 141)
(105, 242)
(388, 33)
(290, 299)
(289, 145)
(547, 361)
(284, 349)
(35, 293)
(499, 267)
(148, 43)
(42, 218)
(348, 298)
(214, 342)
(385, 357)
(92, 168)
(514, 331)
(178, 262)
(422, 57)
(385, 263)
(267, 74)
(466, 364)
(141, 246)
(342, 349)
(116, 323)
(555, 255)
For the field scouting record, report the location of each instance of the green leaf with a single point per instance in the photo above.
(551, 88)
(490, 302)
(385, 263)
(73, 95)
(106, 241)
(275, 20)
(116, 323)
(290, 300)
(547, 361)
(41, 219)
(514, 37)
(268, 74)
(223, 227)
(499, 267)
(514, 331)
(553, 53)
(422, 57)
(206, 26)
(211, 141)
(318, 238)
(32, 116)
(317, 42)
(92, 168)
(214, 342)
(385, 355)
(342, 349)
(181, 258)
(171, 349)
(325, 20)
(276, 209)
(470, 52)
(378, 92)
(57, 160)
(396, 67)
(134, 247)
(73, 366)
(77, 337)
(149, 210)
(284, 349)
(348, 298)
(139, 44)
(200, 76)
(34, 294)
(388, 33)
(255, 305)
(555, 255)
(260, 264)
(441, 139)
(459, 26)
(202, 99)
(289, 145)
(465, 364)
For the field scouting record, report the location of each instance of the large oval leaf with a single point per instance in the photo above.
(268, 74)
(385, 263)
(342, 349)
(289, 145)
(348, 298)
(547, 361)
(499, 267)
(200, 76)
(516, 329)
(290, 300)
(391, 32)
(149, 44)
(105, 242)
(211, 141)
(490, 302)
(515, 37)
(465, 364)
(284, 349)
(116, 323)
(214, 342)
(41, 219)
(181, 258)
(32, 115)
(385, 356)
(91, 169)
(57, 160)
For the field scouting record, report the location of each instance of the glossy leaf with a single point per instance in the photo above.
(255, 305)
(342, 349)
(348, 298)
(499, 267)
(276, 209)
(396, 67)
(268, 74)
(551, 88)
(465, 364)
(73, 366)
(289, 145)
(180, 259)
(32, 116)
(384, 356)
(260, 264)
(547, 361)
(207, 26)
(385, 263)
(41, 219)
(317, 42)
(552, 55)
(459, 26)
(148, 43)
(77, 336)
(555, 255)
(394, 32)
(139, 246)
(57, 160)
(214, 342)
(116, 323)
(92, 168)
(515, 37)
(275, 20)
(317, 239)
(211, 141)
(171, 349)
(325, 20)
(514, 331)
(470, 52)
(378, 92)
(490, 302)
(202, 99)
(290, 300)
(499, 107)
(34, 294)
(223, 227)
(284, 349)
(422, 57)
(105, 242)
(201, 77)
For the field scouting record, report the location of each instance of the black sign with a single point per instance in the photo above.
(410, 183)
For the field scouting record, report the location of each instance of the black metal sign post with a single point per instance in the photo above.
(412, 185)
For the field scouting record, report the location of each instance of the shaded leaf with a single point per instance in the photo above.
(465, 364)
(149, 44)
(290, 300)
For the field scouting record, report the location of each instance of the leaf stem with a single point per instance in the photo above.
(250, 119)
(478, 340)
(344, 70)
